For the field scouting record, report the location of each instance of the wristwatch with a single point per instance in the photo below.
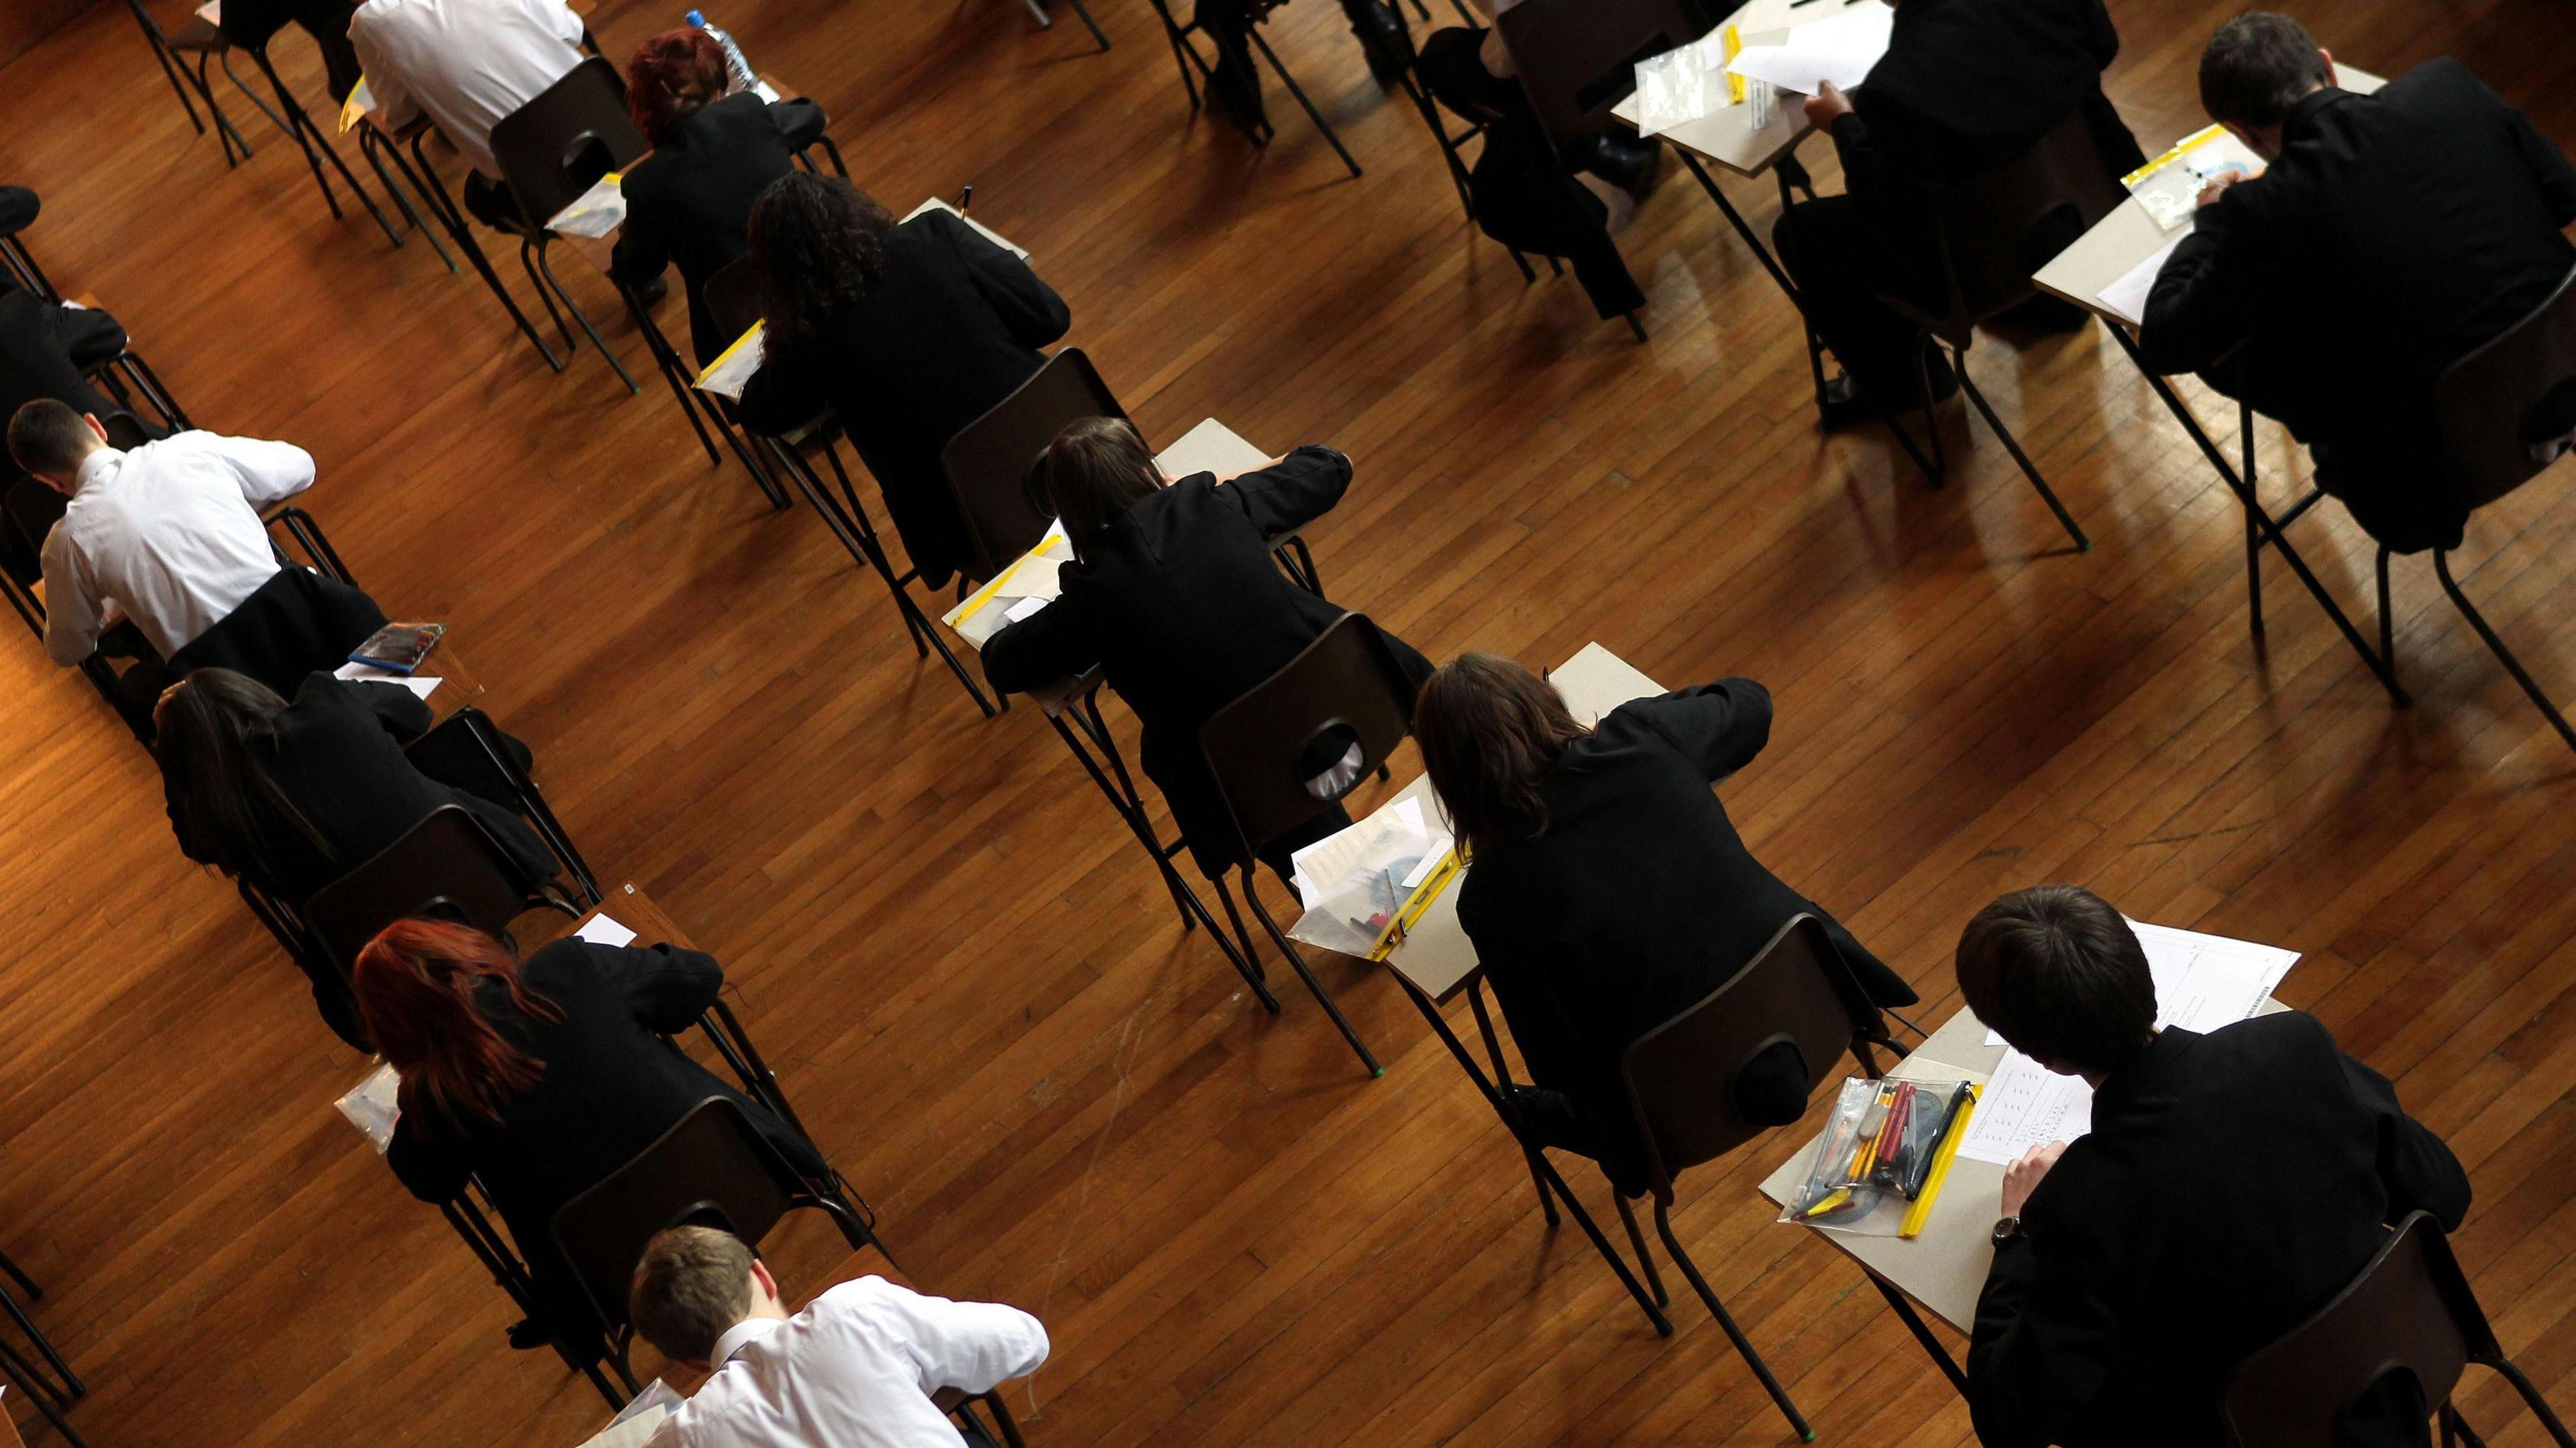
(2007, 1229)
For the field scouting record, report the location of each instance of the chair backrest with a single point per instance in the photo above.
(1987, 222)
(1261, 748)
(2482, 401)
(1578, 58)
(445, 864)
(2410, 1309)
(1681, 1075)
(991, 463)
(712, 1167)
(557, 146)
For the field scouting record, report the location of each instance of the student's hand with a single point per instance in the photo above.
(2023, 1176)
(2218, 184)
(1824, 108)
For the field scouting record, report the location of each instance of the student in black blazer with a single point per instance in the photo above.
(539, 1080)
(252, 23)
(1965, 86)
(689, 203)
(1607, 890)
(2231, 1184)
(2388, 236)
(45, 348)
(907, 333)
(1174, 594)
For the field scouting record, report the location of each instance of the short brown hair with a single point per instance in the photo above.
(2060, 975)
(1489, 731)
(2256, 68)
(1096, 469)
(691, 1288)
(50, 437)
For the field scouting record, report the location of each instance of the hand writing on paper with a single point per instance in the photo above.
(2217, 183)
(1828, 105)
(2023, 1176)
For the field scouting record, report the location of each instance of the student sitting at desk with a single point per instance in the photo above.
(858, 1366)
(2389, 235)
(46, 350)
(1606, 889)
(906, 332)
(1174, 595)
(690, 201)
(467, 64)
(1965, 86)
(251, 23)
(539, 1080)
(2231, 1184)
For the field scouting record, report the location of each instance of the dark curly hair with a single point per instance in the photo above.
(671, 77)
(819, 245)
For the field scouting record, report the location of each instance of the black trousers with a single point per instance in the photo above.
(490, 202)
(1834, 254)
(251, 23)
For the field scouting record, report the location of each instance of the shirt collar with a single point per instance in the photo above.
(742, 1335)
(2307, 108)
(2123, 1087)
(104, 462)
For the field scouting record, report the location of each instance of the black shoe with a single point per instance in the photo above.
(1382, 37)
(652, 292)
(527, 1336)
(1548, 1117)
(1633, 164)
(1847, 404)
(2042, 316)
(1237, 91)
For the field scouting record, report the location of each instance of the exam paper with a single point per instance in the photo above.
(1036, 576)
(371, 1107)
(986, 232)
(595, 212)
(361, 102)
(2127, 297)
(1210, 447)
(1682, 85)
(600, 930)
(2203, 982)
(727, 375)
(1355, 881)
(369, 673)
(1840, 49)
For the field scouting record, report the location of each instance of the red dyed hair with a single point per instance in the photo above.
(416, 984)
(670, 76)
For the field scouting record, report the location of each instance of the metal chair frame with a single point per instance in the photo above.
(432, 189)
(1185, 54)
(182, 78)
(1046, 20)
(298, 123)
(54, 1387)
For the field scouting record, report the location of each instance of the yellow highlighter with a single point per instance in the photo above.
(1917, 1214)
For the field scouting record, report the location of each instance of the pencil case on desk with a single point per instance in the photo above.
(1878, 1149)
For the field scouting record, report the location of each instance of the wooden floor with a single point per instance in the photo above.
(970, 981)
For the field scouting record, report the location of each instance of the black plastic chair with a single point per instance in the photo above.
(298, 123)
(449, 865)
(1986, 226)
(1046, 21)
(2481, 404)
(991, 461)
(19, 208)
(1680, 1077)
(1197, 73)
(550, 151)
(1345, 687)
(199, 37)
(734, 304)
(2410, 1310)
(466, 750)
(713, 1168)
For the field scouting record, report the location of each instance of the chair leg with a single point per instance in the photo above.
(1637, 1240)
(547, 273)
(1637, 327)
(1312, 114)
(54, 1416)
(2253, 534)
(227, 134)
(2387, 618)
(169, 70)
(546, 294)
(70, 1380)
(2012, 445)
(1243, 937)
(2532, 1399)
(224, 58)
(1761, 1370)
(1297, 959)
(1528, 275)
(1099, 36)
(19, 1276)
(369, 147)
(2495, 645)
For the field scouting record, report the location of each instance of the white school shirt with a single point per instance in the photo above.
(467, 63)
(171, 533)
(855, 1369)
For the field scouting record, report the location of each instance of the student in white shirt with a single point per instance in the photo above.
(168, 534)
(468, 63)
(855, 1369)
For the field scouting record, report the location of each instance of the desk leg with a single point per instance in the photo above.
(1789, 173)
(1922, 1332)
(434, 191)
(1540, 1166)
(1735, 219)
(1503, 1087)
(2269, 531)
(2253, 538)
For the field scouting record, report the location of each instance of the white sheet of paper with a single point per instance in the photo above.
(1024, 608)
(631, 1430)
(361, 101)
(986, 232)
(600, 930)
(2127, 297)
(2203, 982)
(1037, 575)
(1682, 85)
(371, 1107)
(1840, 48)
(1210, 447)
(727, 375)
(595, 212)
(421, 685)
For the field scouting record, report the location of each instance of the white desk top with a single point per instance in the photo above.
(2127, 237)
(1729, 138)
(1944, 1269)
(1435, 956)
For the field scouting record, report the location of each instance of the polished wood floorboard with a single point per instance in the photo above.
(973, 986)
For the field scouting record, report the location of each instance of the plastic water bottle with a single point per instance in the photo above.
(744, 78)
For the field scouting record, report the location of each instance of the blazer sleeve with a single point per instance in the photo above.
(1719, 726)
(666, 987)
(643, 251)
(89, 336)
(397, 710)
(433, 1166)
(1028, 307)
(2549, 166)
(1302, 487)
(2211, 290)
(2045, 1341)
(799, 122)
(2416, 1166)
(1053, 643)
(792, 385)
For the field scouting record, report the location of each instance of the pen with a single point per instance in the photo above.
(965, 199)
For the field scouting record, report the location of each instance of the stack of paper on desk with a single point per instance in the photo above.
(421, 684)
(986, 232)
(1357, 883)
(2203, 982)
(735, 367)
(1029, 584)
(1839, 49)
